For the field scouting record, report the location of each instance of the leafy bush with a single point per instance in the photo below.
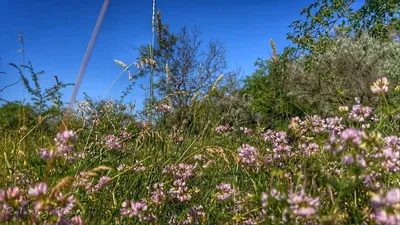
(343, 72)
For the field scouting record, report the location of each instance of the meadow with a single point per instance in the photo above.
(277, 150)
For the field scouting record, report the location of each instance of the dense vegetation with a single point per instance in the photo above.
(311, 137)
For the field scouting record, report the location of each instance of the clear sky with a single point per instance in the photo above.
(56, 35)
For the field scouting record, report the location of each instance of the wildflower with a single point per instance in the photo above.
(95, 120)
(276, 194)
(249, 222)
(101, 182)
(124, 134)
(264, 203)
(224, 191)
(76, 220)
(359, 113)
(276, 138)
(64, 142)
(12, 193)
(353, 136)
(180, 191)
(386, 207)
(246, 130)
(12, 204)
(380, 86)
(303, 205)
(23, 129)
(198, 157)
(348, 159)
(371, 180)
(45, 154)
(248, 154)
(391, 153)
(334, 144)
(309, 149)
(194, 215)
(112, 142)
(121, 167)
(158, 195)
(66, 136)
(132, 208)
(222, 129)
(165, 108)
(65, 204)
(343, 108)
(361, 161)
(208, 164)
(179, 139)
(279, 141)
(316, 124)
(365, 126)
(142, 124)
(334, 124)
(181, 171)
(39, 189)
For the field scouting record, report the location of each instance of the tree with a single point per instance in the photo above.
(324, 18)
(183, 67)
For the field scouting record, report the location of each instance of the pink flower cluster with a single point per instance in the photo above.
(360, 113)
(246, 130)
(181, 173)
(279, 141)
(391, 154)
(316, 125)
(138, 209)
(222, 129)
(303, 205)
(64, 145)
(112, 142)
(386, 207)
(15, 205)
(350, 137)
(224, 192)
(248, 155)
(165, 108)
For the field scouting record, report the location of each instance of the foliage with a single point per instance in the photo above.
(323, 18)
(267, 87)
(322, 170)
(220, 154)
(40, 98)
(10, 115)
(337, 52)
(343, 72)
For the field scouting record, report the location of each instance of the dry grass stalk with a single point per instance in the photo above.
(215, 85)
(123, 65)
(62, 183)
(274, 52)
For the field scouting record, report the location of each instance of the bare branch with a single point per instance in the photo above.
(7, 86)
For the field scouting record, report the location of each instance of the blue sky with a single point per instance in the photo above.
(56, 35)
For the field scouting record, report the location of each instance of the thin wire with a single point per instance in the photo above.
(87, 54)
